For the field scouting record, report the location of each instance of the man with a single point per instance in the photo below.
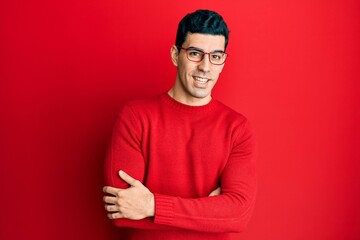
(181, 165)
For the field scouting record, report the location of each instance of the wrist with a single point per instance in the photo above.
(151, 208)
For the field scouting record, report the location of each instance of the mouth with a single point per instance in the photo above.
(201, 79)
(201, 82)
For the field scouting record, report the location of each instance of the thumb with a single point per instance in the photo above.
(127, 178)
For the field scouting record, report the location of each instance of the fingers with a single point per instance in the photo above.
(114, 211)
(119, 200)
(111, 190)
(215, 192)
(111, 208)
(127, 178)
(115, 215)
(110, 200)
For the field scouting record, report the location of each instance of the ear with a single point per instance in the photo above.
(174, 54)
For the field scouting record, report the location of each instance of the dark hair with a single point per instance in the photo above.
(202, 21)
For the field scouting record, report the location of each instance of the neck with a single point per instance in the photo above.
(191, 101)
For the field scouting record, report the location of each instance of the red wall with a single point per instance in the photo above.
(67, 66)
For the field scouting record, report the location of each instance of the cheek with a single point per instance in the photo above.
(183, 66)
(188, 69)
(220, 68)
(215, 75)
(218, 71)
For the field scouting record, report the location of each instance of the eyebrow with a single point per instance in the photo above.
(201, 50)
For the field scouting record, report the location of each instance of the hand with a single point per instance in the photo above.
(215, 192)
(135, 202)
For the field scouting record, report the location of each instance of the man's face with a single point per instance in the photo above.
(195, 80)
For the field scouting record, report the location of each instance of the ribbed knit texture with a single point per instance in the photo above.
(182, 153)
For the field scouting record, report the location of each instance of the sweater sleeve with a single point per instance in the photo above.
(228, 212)
(124, 150)
(125, 154)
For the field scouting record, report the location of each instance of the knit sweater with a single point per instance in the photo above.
(181, 153)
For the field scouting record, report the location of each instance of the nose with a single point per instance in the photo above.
(205, 63)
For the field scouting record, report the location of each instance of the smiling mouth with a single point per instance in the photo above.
(201, 79)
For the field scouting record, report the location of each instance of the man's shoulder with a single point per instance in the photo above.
(236, 121)
(230, 112)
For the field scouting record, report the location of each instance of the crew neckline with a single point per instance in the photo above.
(187, 108)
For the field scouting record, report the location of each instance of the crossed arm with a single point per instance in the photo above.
(135, 202)
(128, 199)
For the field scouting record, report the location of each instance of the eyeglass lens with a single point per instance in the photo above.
(197, 56)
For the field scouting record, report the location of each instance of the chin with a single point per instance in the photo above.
(200, 95)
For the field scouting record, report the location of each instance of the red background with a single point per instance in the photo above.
(67, 66)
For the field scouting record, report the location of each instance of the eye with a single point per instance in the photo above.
(194, 53)
(216, 56)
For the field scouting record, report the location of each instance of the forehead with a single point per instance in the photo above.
(206, 42)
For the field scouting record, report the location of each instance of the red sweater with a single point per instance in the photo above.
(182, 153)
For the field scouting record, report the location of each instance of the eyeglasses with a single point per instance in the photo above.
(196, 55)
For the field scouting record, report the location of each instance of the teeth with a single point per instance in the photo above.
(202, 80)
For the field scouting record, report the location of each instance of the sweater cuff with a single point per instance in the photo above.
(164, 209)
